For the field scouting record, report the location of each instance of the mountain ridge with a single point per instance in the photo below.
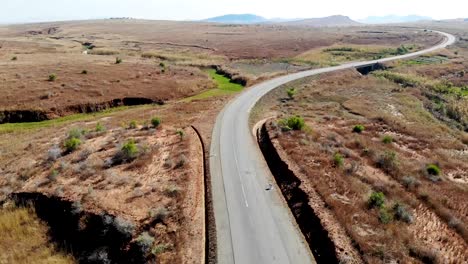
(335, 20)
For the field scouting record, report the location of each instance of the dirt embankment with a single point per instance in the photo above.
(327, 240)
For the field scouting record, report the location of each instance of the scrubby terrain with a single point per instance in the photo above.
(110, 182)
(55, 69)
(383, 158)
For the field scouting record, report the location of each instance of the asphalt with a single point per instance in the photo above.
(253, 225)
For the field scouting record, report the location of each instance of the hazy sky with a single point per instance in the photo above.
(46, 10)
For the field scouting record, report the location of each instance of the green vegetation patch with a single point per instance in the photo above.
(16, 127)
(438, 59)
(224, 87)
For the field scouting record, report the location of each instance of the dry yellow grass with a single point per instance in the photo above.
(24, 239)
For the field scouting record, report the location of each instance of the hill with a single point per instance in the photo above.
(237, 19)
(393, 19)
(330, 21)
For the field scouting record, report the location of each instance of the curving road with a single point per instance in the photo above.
(255, 226)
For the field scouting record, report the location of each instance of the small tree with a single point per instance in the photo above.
(156, 121)
(118, 60)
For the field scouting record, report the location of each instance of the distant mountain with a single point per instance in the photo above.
(466, 19)
(254, 19)
(330, 21)
(237, 19)
(393, 19)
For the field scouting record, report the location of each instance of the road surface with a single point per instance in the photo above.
(253, 225)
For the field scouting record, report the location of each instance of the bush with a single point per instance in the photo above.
(132, 124)
(72, 144)
(387, 161)
(144, 242)
(52, 77)
(124, 227)
(410, 182)
(358, 129)
(53, 175)
(181, 161)
(376, 199)
(387, 139)
(291, 93)
(118, 60)
(53, 154)
(161, 248)
(172, 191)
(294, 123)
(155, 121)
(14, 58)
(384, 216)
(433, 170)
(402, 214)
(76, 133)
(338, 160)
(100, 127)
(159, 214)
(129, 150)
(180, 133)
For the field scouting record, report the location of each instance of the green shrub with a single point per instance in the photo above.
(384, 216)
(376, 199)
(53, 175)
(291, 93)
(14, 58)
(293, 123)
(358, 129)
(52, 77)
(338, 160)
(162, 65)
(84, 72)
(387, 139)
(130, 150)
(118, 60)
(132, 124)
(100, 127)
(72, 144)
(156, 121)
(433, 170)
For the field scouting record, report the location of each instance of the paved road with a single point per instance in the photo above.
(253, 225)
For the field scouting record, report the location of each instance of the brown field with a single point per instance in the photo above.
(161, 60)
(409, 124)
